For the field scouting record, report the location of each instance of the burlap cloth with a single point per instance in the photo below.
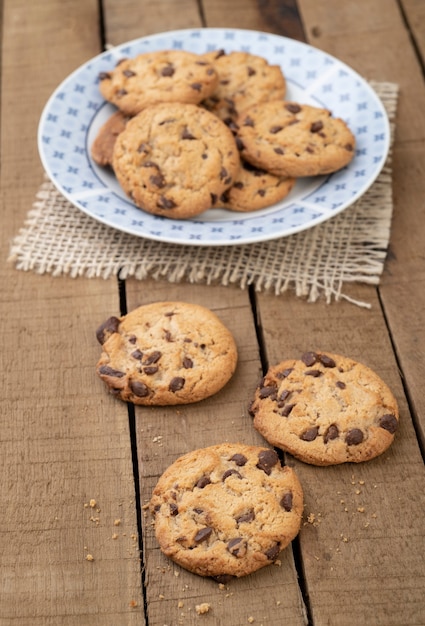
(59, 239)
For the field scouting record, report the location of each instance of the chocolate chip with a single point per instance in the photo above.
(293, 108)
(104, 76)
(203, 482)
(168, 70)
(309, 358)
(132, 339)
(150, 370)
(331, 433)
(283, 397)
(105, 370)
(354, 437)
(230, 472)
(152, 358)
(186, 134)
(286, 501)
(251, 71)
(248, 121)
(158, 180)
(316, 126)
(275, 129)
(139, 389)
(238, 185)
(314, 373)
(237, 546)
(261, 192)
(267, 392)
(223, 173)
(196, 86)
(107, 328)
(166, 203)
(326, 360)
(239, 459)
(285, 412)
(176, 383)
(121, 92)
(310, 434)
(340, 384)
(266, 460)
(389, 422)
(198, 511)
(285, 373)
(203, 534)
(273, 552)
(279, 150)
(239, 144)
(349, 147)
(249, 516)
(173, 509)
(137, 354)
(187, 363)
(129, 73)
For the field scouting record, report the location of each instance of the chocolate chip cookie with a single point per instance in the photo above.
(175, 160)
(166, 353)
(325, 409)
(161, 76)
(226, 510)
(255, 189)
(103, 146)
(244, 80)
(295, 140)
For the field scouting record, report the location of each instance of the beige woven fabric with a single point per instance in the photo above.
(59, 239)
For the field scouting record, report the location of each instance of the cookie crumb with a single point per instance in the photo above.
(89, 557)
(251, 619)
(93, 503)
(202, 608)
(117, 522)
(133, 604)
(180, 604)
(115, 536)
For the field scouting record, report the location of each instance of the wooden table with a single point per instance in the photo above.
(78, 465)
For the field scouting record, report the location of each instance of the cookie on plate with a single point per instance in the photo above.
(166, 353)
(295, 140)
(161, 76)
(325, 409)
(254, 189)
(103, 146)
(226, 510)
(175, 160)
(244, 80)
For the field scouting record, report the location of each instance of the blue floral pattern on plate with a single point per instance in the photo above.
(76, 110)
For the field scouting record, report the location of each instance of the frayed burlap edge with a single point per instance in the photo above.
(59, 239)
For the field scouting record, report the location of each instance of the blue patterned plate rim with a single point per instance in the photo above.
(76, 110)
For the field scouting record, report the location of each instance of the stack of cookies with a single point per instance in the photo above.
(194, 132)
(229, 509)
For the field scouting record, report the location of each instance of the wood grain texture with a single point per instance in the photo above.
(63, 440)
(165, 433)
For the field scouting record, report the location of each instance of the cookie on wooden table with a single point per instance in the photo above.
(295, 140)
(175, 160)
(226, 510)
(325, 409)
(103, 146)
(245, 79)
(255, 189)
(161, 76)
(166, 353)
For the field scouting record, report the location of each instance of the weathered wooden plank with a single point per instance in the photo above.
(266, 15)
(64, 442)
(129, 20)
(163, 434)
(414, 13)
(356, 545)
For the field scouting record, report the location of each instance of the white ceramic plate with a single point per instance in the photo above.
(76, 110)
